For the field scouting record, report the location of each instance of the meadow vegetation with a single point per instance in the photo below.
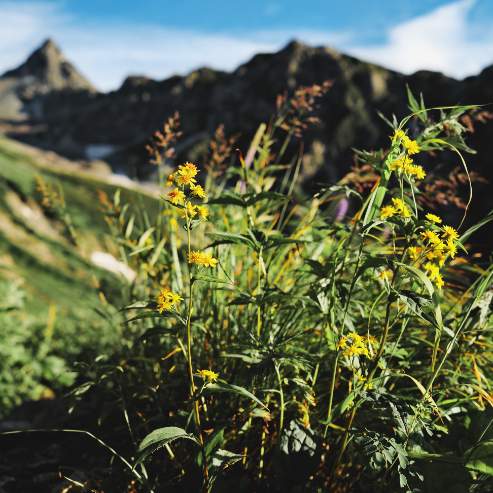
(275, 341)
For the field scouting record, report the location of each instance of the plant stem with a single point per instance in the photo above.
(193, 389)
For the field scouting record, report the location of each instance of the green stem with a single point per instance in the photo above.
(193, 389)
(281, 393)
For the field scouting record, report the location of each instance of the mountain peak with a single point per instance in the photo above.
(47, 66)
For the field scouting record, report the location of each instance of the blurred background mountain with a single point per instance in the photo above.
(47, 103)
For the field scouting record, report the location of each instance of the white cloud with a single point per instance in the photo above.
(442, 40)
(107, 53)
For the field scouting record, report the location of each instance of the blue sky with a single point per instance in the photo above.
(108, 40)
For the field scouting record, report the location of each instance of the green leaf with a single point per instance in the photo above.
(145, 236)
(229, 198)
(223, 238)
(420, 276)
(159, 438)
(234, 389)
(157, 252)
(130, 227)
(480, 458)
(466, 235)
(256, 197)
(206, 278)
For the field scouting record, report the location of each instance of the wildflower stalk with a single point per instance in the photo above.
(193, 389)
(336, 360)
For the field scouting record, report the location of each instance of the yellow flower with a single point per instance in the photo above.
(414, 252)
(401, 207)
(432, 270)
(398, 134)
(342, 344)
(189, 210)
(203, 212)
(411, 146)
(208, 260)
(209, 375)
(431, 236)
(176, 196)
(202, 258)
(450, 233)
(355, 345)
(451, 248)
(415, 170)
(170, 180)
(167, 300)
(186, 174)
(198, 191)
(185, 180)
(439, 281)
(387, 211)
(385, 275)
(188, 169)
(194, 257)
(433, 218)
(401, 164)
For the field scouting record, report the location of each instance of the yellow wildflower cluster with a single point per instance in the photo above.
(411, 146)
(167, 300)
(398, 208)
(184, 182)
(437, 245)
(208, 375)
(385, 275)
(354, 344)
(202, 258)
(405, 165)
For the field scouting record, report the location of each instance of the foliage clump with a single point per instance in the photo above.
(279, 342)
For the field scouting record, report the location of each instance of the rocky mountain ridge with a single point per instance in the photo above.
(68, 115)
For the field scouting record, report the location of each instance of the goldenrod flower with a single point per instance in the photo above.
(431, 237)
(186, 174)
(398, 134)
(198, 191)
(450, 233)
(387, 211)
(208, 260)
(411, 146)
(451, 248)
(176, 196)
(416, 170)
(202, 258)
(433, 218)
(355, 345)
(189, 210)
(385, 275)
(209, 375)
(401, 207)
(167, 300)
(401, 164)
(185, 180)
(414, 252)
(203, 212)
(188, 169)
(439, 281)
(432, 270)
(170, 180)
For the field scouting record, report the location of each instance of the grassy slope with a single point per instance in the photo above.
(32, 248)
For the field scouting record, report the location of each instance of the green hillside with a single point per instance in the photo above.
(33, 247)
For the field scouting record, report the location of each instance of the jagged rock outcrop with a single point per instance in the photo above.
(23, 89)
